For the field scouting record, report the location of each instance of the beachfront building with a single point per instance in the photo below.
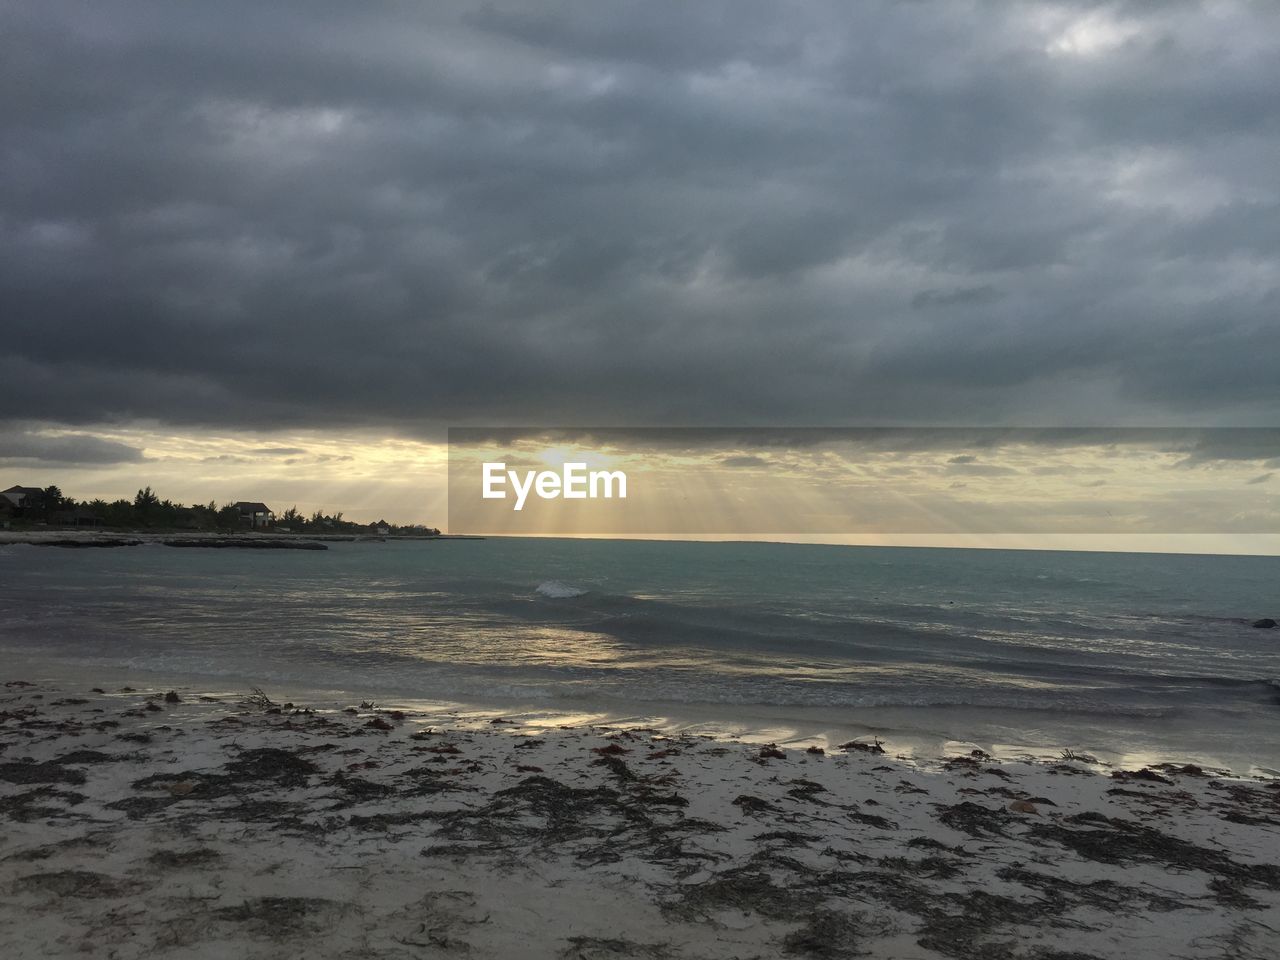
(19, 497)
(76, 517)
(255, 515)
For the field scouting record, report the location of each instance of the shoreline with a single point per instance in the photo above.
(13, 537)
(914, 733)
(214, 826)
(250, 539)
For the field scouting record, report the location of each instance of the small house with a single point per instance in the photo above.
(20, 497)
(254, 515)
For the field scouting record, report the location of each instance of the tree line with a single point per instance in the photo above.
(147, 510)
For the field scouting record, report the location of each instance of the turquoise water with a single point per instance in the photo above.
(1122, 654)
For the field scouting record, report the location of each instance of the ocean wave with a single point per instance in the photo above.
(557, 590)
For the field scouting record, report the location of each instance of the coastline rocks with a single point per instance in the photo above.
(1266, 623)
(247, 543)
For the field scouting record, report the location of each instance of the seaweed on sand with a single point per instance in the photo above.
(1230, 893)
(384, 822)
(748, 888)
(931, 867)
(1069, 754)
(617, 766)
(975, 820)
(30, 772)
(750, 804)
(139, 808)
(537, 810)
(806, 791)
(251, 780)
(281, 814)
(358, 790)
(76, 883)
(969, 924)
(281, 917)
(283, 767)
(257, 699)
(1262, 802)
(876, 746)
(603, 948)
(1115, 841)
(208, 786)
(1105, 895)
(831, 935)
(35, 804)
(872, 820)
(177, 859)
(427, 782)
(594, 824)
(791, 837)
(970, 932)
(87, 756)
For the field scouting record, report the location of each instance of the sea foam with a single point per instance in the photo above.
(558, 590)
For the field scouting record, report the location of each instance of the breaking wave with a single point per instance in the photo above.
(558, 590)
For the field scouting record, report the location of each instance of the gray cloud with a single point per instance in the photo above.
(960, 295)
(983, 470)
(22, 447)
(396, 217)
(1195, 447)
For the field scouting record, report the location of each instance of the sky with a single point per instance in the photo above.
(254, 251)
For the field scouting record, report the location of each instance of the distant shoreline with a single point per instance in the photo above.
(249, 540)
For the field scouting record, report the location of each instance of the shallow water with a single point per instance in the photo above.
(1123, 655)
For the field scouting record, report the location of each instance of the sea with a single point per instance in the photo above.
(1129, 658)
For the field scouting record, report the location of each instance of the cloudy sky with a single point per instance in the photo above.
(233, 229)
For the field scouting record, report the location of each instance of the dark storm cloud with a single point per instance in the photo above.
(19, 448)
(396, 216)
(947, 298)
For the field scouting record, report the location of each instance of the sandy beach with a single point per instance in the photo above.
(144, 823)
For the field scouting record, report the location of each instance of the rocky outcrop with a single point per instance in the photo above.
(245, 543)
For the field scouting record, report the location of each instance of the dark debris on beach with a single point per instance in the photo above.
(956, 863)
